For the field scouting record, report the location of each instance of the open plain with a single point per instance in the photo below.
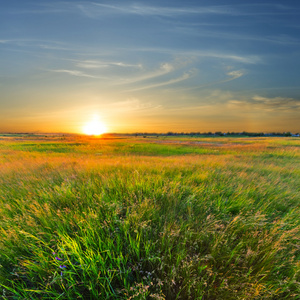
(123, 217)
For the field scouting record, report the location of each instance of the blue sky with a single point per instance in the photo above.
(150, 65)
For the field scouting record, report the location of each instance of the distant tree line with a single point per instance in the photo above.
(217, 133)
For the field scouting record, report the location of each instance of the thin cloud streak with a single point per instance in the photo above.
(185, 76)
(57, 45)
(93, 10)
(233, 75)
(145, 10)
(96, 64)
(50, 47)
(131, 104)
(75, 73)
(251, 59)
(277, 103)
(244, 103)
(248, 59)
(39, 43)
(165, 68)
(276, 39)
(267, 103)
(89, 10)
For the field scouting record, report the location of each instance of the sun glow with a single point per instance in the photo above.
(94, 127)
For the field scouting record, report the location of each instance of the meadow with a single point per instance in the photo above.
(149, 218)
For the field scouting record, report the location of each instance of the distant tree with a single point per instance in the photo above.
(219, 133)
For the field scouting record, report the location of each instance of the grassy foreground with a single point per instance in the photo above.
(213, 218)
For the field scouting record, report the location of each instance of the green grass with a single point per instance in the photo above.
(118, 148)
(136, 219)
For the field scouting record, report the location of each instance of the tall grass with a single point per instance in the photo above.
(138, 220)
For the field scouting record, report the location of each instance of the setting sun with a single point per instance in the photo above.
(94, 127)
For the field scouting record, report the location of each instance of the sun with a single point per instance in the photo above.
(94, 127)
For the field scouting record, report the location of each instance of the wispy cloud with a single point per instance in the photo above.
(247, 59)
(245, 102)
(96, 64)
(267, 103)
(185, 76)
(90, 9)
(138, 72)
(234, 75)
(38, 43)
(164, 69)
(53, 47)
(230, 76)
(75, 73)
(227, 35)
(93, 9)
(131, 104)
(189, 55)
(277, 103)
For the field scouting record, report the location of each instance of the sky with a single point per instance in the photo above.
(150, 66)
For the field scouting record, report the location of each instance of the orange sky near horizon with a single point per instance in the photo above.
(183, 119)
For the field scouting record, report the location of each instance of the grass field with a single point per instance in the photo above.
(149, 218)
